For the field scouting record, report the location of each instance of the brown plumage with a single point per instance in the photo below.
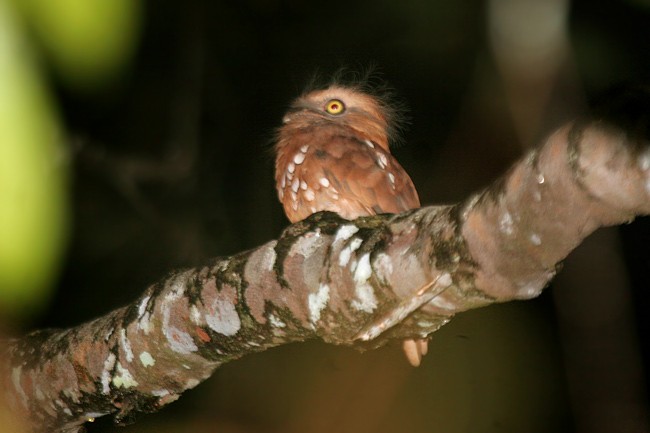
(332, 153)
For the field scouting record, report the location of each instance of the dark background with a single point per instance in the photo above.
(172, 164)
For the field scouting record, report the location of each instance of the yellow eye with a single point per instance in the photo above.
(335, 106)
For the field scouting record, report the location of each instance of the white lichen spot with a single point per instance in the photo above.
(540, 178)
(106, 373)
(535, 239)
(304, 148)
(298, 158)
(426, 324)
(317, 302)
(224, 318)
(530, 290)
(123, 378)
(444, 280)
(442, 303)
(142, 307)
(346, 253)
(159, 392)
(179, 340)
(67, 411)
(345, 232)
(370, 144)
(365, 295)
(147, 360)
(191, 383)
(276, 322)
(16, 374)
(506, 223)
(268, 260)
(126, 345)
(291, 167)
(195, 315)
(309, 195)
(384, 263)
(324, 182)
(93, 415)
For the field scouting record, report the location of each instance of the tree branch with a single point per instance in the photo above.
(356, 283)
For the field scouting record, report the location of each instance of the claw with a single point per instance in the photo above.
(415, 350)
(412, 352)
(423, 346)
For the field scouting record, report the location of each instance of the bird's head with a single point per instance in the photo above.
(369, 116)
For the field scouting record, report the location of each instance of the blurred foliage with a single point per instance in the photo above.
(32, 178)
(33, 171)
(89, 41)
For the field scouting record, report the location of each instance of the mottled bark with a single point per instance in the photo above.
(357, 283)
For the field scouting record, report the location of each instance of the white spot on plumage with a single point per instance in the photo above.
(324, 182)
(391, 178)
(283, 182)
(304, 148)
(309, 195)
(303, 185)
(298, 158)
(370, 144)
(382, 161)
(291, 167)
(295, 185)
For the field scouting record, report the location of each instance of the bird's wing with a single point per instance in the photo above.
(354, 178)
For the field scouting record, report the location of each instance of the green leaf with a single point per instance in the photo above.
(33, 202)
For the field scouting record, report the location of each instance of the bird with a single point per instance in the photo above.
(332, 153)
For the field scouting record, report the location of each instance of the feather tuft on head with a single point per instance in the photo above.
(363, 92)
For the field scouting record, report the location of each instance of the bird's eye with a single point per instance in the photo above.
(335, 106)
